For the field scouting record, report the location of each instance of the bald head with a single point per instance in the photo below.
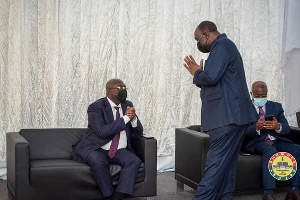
(113, 83)
(259, 89)
(116, 91)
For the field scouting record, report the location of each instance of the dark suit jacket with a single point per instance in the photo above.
(102, 128)
(252, 137)
(224, 92)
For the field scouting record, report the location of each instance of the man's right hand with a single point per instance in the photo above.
(260, 123)
(130, 112)
(191, 65)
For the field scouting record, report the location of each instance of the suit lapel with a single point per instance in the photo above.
(124, 106)
(108, 109)
(269, 109)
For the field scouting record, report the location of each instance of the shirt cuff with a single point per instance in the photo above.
(258, 132)
(126, 119)
(279, 130)
(134, 122)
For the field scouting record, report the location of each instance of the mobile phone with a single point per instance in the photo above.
(245, 154)
(269, 118)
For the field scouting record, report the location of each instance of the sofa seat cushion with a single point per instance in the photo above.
(249, 173)
(64, 172)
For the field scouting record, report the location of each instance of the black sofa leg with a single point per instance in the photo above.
(180, 186)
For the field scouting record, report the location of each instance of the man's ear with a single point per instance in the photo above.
(206, 33)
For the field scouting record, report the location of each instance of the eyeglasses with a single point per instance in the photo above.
(260, 96)
(120, 87)
(200, 38)
(203, 34)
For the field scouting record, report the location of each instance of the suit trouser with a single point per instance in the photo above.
(218, 181)
(99, 161)
(267, 151)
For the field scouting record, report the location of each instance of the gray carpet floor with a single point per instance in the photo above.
(167, 190)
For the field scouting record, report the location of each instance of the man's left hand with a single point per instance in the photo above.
(191, 65)
(130, 112)
(272, 125)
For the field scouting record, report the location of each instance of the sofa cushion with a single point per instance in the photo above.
(52, 143)
(249, 174)
(61, 172)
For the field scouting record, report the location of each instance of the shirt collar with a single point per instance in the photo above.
(263, 107)
(217, 39)
(112, 104)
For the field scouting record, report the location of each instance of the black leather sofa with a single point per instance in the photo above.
(39, 166)
(191, 147)
(298, 118)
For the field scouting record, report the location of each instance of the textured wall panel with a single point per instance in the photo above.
(57, 55)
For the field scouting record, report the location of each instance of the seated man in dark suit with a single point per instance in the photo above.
(267, 138)
(111, 124)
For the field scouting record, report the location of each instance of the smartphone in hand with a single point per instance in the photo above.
(269, 118)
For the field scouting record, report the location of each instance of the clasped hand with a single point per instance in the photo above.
(269, 125)
(130, 112)
(191, 65)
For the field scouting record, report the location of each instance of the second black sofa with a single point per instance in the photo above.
(191, 147)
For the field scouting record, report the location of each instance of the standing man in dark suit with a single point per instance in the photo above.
(111, 124)
(267, 138)
(226, 109)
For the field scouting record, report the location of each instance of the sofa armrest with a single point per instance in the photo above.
(294, 134)
(194, 127)
(17, 156)
(189, 167)
(146, 150)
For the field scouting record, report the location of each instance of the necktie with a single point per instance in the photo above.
(261, 113)
(268, 140)
(115, 141)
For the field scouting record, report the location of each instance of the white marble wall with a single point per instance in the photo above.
(56, 56)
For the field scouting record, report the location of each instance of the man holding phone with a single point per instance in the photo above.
(266, 137)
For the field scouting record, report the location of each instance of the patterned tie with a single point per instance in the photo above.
(268, 140)
(115, 141)
(261, 113)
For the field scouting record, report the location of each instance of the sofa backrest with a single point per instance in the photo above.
(298, 118)
(195, 127)
(52, 143)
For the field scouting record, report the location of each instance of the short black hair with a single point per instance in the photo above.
(207, 26)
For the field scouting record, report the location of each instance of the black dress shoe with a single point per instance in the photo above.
(117, 196)
(292, 196)
(269, 197)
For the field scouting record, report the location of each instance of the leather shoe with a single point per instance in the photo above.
(292, 196)
(117, 196)
(269, 197)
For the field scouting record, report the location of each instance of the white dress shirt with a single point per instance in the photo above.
(123, 137)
